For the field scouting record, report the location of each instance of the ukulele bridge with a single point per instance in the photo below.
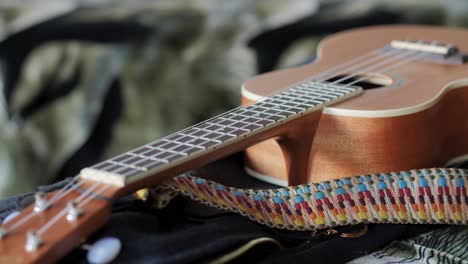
(432, 51)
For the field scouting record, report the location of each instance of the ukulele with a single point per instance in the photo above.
(377, 99)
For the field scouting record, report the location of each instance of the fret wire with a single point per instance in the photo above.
(174, 153)
(309, 86)
(144, 157)
(312, 89)
(179, 144)
(132, 165)
(125, 166)
(245, 124)
(289, 109)
(134, 154)
(282, 104)
(334, 92)
(277, 105)
(150, 156)
(153, 160)
(194, 138)
(190, 144)
(111, 167)
(172, 150)
(308, 91)
(208, 132)
(303, 102)
(269, 100)
(285, 102)
(327, 94)
(317, 89)
(266, 108)
(291, 98)
(222, 134)
(100, 164)
(305, 92)
(229, 126)
(245, 117)
(149, 165)
(330, 97)
(295, 98)
(163, 151)
(317, 102)
(267, 114)
(326, 89)
(128, 165)
(208, 140)
(112, 162)
(312, 98)
(269, 106)
(202, 137)
(147, 145)
(224, 126)
(334, 87)
(309, 96)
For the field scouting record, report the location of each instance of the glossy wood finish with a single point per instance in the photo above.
(420, 81)
(345, 145)
(61, 237)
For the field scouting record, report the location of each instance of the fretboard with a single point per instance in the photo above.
(218, 132)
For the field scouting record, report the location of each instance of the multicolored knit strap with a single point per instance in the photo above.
(434, 196)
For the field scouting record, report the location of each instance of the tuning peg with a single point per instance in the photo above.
(33, 241)
(73, 211)
(40, 203)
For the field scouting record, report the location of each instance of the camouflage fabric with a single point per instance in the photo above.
(189, 66)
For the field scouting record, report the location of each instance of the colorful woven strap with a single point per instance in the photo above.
(434, 196)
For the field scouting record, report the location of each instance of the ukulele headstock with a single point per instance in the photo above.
(56, 222)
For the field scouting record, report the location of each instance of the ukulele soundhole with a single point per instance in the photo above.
(367, 82)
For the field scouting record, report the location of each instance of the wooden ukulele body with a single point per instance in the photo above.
(418, 119)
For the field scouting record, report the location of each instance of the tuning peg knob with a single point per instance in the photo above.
(73, 211)
(105, 250)
(33, 241)
(40, 203)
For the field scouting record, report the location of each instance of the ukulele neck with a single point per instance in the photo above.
(220, 136)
